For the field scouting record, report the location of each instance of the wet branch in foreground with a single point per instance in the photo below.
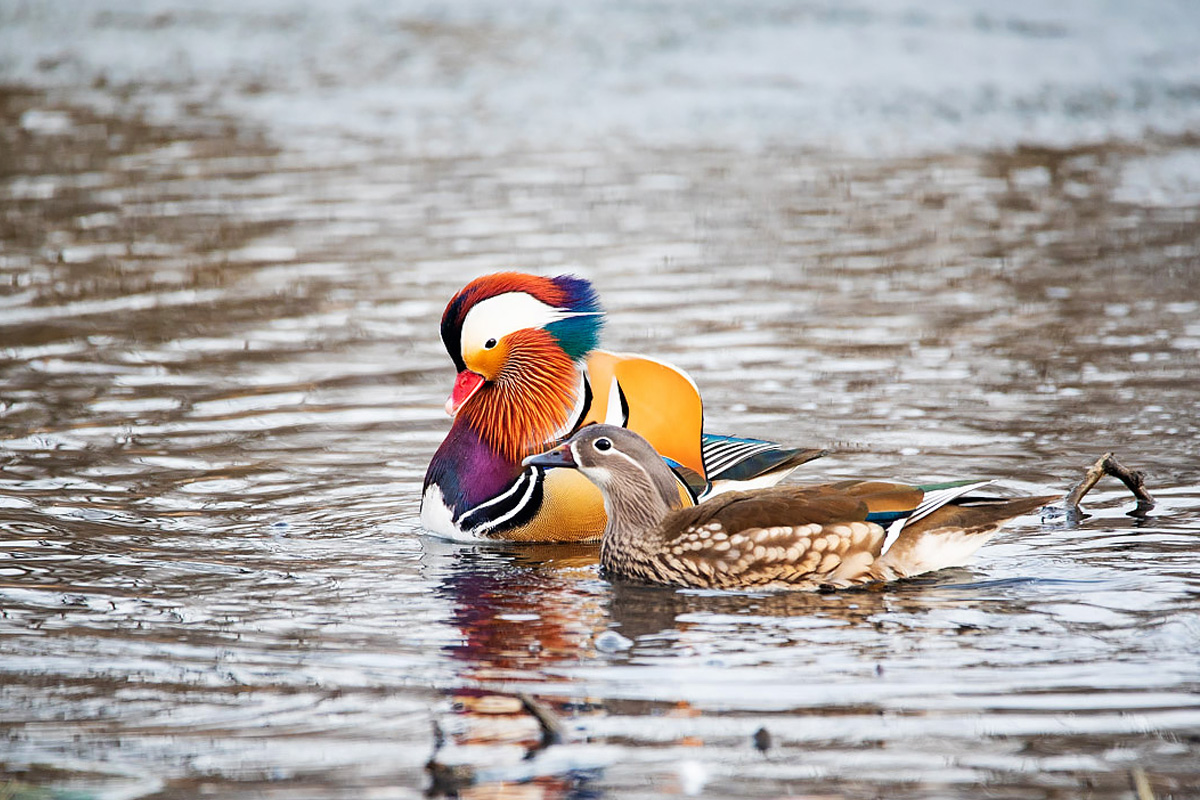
(1107, 464)
(552, 730)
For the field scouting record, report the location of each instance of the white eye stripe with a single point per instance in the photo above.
(631, 460)
(497, 317)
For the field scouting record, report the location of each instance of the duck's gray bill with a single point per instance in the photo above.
(558, 457)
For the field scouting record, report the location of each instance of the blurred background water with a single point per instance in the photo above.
(951, 239)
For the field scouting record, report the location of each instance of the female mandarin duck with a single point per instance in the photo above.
(793, 537)
(529, 374)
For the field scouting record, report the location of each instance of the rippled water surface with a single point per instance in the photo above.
(948, 243)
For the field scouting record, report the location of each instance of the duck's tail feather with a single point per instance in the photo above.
(950, 534)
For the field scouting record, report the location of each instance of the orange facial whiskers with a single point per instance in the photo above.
(530, 398)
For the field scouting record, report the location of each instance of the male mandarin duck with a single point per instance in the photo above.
(785, 537)
(529, 375)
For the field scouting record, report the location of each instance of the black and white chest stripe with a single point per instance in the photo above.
(514, 507)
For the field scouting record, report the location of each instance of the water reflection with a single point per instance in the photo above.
(522, 611)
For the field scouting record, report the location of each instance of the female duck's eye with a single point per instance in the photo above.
(602, 444)
(489, 344)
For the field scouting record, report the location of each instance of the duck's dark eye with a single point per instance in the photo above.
(489, 344)
(602, 444)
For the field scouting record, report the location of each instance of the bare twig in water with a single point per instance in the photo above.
(1107, 464)
(552, 730)
(450, 780)
(1141, 784)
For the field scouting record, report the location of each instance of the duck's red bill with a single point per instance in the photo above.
(465, 386)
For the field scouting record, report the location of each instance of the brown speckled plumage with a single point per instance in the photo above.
(796, 537)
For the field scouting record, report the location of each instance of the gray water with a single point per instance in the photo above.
(947, 240)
